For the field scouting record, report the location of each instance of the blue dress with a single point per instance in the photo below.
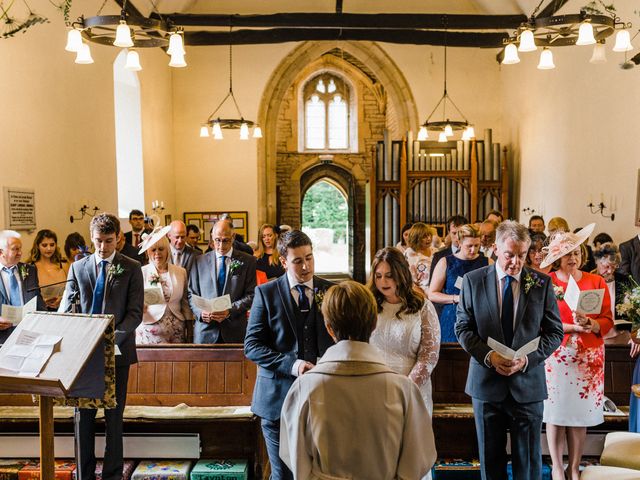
(455, 268)
(634, 402)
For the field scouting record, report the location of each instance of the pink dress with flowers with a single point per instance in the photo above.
(575, 371)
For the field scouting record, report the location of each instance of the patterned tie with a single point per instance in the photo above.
(136, 241)
(507, 310)
(222, 273)
(98, 292)
(14, 288)
(303, 300)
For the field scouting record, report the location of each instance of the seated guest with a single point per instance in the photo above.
(334, 425)
(536, 224)
(193, 237)
(404, 237)
(601, 238)
(19, 280)
(225, 271)
(419, 254)
(607, 257)
(268, 258)
(536, 254)
(488, 239)
(137, 222)
(75, 246)
(129, 250)
(163, 322)
(557, 224)
(181, 253)
(495, 216)
(45, 255)
(447, 278)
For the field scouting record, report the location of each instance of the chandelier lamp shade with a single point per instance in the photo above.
(589, 27)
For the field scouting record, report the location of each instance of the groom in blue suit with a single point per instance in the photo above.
(285, 337)
(513, 306)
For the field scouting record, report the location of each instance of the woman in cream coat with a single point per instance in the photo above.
(163, 322)
(351, 416)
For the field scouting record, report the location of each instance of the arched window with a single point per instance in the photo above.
(327, 113)
(129, 164)
(325, 218)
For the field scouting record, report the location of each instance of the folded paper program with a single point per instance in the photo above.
(511, 354)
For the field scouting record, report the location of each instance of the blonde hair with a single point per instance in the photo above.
(350, 310)
(274, 258)
(558, 224)
(417, 232)
(468, 231)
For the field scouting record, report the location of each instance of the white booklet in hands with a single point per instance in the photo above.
(511, 354)
(153, 295)
(583, 301)
(218, 304)
(16, 314)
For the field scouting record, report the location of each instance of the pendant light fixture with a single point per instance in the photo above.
(217, 124)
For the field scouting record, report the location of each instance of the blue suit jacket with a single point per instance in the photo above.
(28, 282)
(271, 342)
(478, 318)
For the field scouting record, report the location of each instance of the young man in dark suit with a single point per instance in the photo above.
(512, 305)
(285, 337)
(108, 282)
(136, 220)
(19, 281)
(630, 253)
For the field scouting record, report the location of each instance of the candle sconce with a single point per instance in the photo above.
(600, 208)
(529, 211)
(157, 206)
(84, 210)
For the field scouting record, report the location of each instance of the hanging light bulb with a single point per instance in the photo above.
(510, 55)
(423, 134)
(244, 131)
(468, 133)
(546, 60)
(599, 54)
(177, 60)
(257, 132)
(204, 131)
(133, 61)
(83, 57)
(74, 40)
(585, 34)
(448, 131)
(623, 41)
(442, 137)
(176, 45)
(216, 131)
(123, 35)
(527, 42)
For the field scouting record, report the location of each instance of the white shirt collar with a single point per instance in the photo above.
(501, 273)
(226, 255)
(98, 259)
(293, 282)
(174, 250)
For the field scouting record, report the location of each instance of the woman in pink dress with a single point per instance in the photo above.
(575, 371)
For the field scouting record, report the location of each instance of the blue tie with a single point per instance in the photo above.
(222, 274)
(507, 310)
(303, 300)
(98, 292)
(14, 288)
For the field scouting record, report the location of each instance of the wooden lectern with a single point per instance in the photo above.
(81, 334)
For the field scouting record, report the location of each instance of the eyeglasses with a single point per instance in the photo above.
(222, 241)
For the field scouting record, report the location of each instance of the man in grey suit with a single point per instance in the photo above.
(19, 281)
(181, 253)
(285, 337)
(108, 282)
(513, 306)
(222, 271)
(630, 253)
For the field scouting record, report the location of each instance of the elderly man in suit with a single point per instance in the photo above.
(19, 281)
(630, 253)
(513, 306)
(181, 253)
(285, 337)
(222, 271)
(108, 282)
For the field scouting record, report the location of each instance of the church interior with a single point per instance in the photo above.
(98, 137)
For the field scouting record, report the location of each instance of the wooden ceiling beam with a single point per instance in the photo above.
(283, 35)
(397, 21)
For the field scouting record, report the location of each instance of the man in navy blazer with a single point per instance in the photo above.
(23, 277)
(285, 337)
(513, 306)
(108, 282)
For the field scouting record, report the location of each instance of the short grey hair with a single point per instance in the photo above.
(512, 230)
(5, 235)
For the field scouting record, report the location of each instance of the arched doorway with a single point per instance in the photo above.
(325, 218)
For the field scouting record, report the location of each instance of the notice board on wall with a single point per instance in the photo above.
(19, 208)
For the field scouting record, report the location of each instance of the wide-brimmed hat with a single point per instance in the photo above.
(564, 242)
(150, 239)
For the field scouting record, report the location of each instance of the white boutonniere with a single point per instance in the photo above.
(115, 270)
(318, 296)
(234, 266)
(23, 271)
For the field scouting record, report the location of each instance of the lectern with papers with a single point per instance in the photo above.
(55, 355)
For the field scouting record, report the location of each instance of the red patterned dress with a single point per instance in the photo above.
(575, 371)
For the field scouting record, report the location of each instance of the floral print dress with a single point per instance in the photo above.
(575, 371)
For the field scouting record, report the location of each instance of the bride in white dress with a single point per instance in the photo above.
(408, 331)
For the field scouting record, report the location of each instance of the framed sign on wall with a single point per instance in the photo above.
(205, 220)
(19, 208)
